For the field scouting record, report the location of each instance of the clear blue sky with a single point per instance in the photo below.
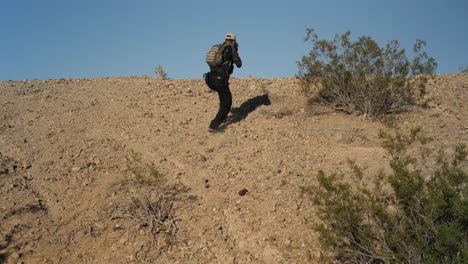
(47, 39)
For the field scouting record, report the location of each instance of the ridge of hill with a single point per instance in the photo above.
(65, 157)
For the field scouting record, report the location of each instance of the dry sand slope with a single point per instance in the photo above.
(65, 148)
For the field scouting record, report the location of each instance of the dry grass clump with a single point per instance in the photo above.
(156, 213)
(140, 173)
(149, 202)
(160, 72)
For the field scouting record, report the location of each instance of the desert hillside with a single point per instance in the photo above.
(85, 163)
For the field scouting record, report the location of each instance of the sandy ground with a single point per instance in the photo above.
(66, 147)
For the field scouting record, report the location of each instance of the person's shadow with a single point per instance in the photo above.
(247, 107)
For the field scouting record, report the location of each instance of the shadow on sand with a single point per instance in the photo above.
(247, 107)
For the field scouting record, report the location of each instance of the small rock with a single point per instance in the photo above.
(185, 121)
(118, 227)
(75, 169)
(298, 205)
(273, 207)
(26, 165)
(201, 158)
(15, 256)
(243, 192)
(92, 166)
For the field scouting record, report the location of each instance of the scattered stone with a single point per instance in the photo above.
(118, 227)
(268, 156)
(243, 192)
(186, 121)
(15, 256)
(91, 166)
(200, 158)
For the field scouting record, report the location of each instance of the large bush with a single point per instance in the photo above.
(361, 77)
(408, 216)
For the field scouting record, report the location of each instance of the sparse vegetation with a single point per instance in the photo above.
(160, 72)
(361, 77)
(157, 214)
(140, 173)
(397, 143)
(151, 203)
(65, 178)
(390, 121)
(463, 69)
(408, 216)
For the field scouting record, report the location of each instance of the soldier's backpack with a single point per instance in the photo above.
(214, 57)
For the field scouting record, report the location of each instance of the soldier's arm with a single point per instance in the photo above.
(236, 59)
(230, 54)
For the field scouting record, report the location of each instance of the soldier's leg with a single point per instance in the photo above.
(225, 102)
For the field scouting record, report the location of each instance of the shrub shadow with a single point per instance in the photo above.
(247, 107)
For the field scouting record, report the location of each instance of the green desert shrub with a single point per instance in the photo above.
(407, 216)
(361, 77)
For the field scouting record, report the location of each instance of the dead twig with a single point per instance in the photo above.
(156, 214)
